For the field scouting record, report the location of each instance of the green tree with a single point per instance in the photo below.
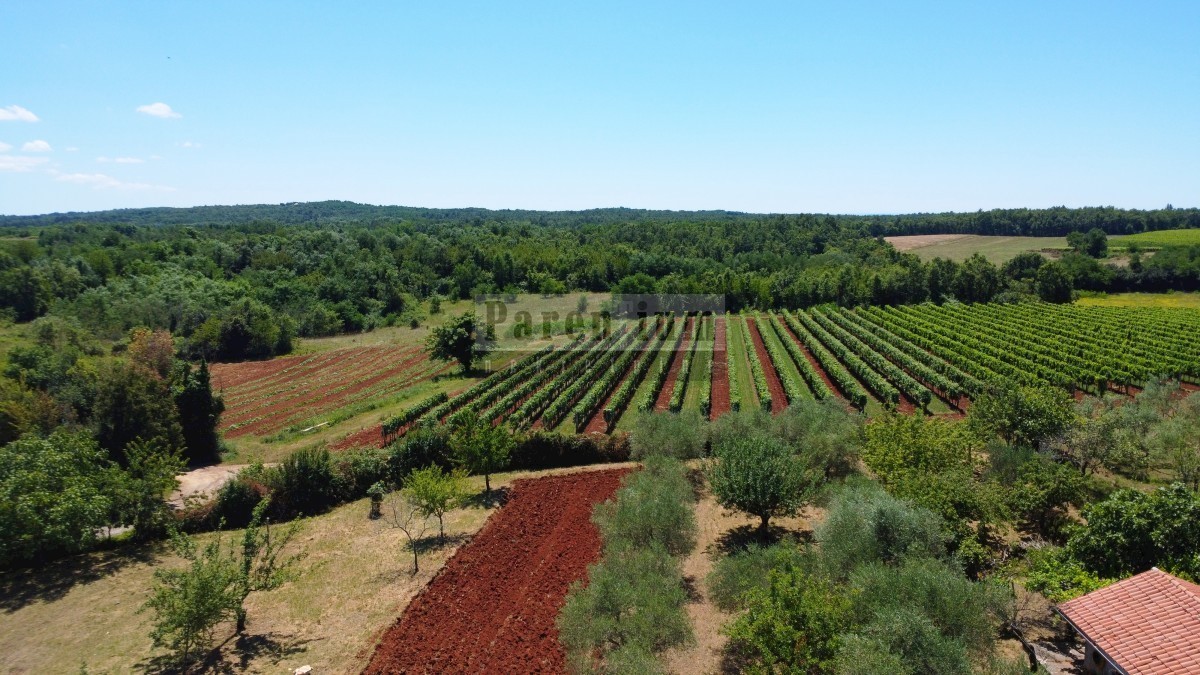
(1132, 531)
(1177, 441)
(480, 447)
(261, 564)
(654, 507)
(679, 435)
(762, 477)
(1022, 415)
(1053, 283)
(54, 497)
(977, 280)
(133, 402)
(435, 492)
(464, 339)
(199, 414)
(149, 476)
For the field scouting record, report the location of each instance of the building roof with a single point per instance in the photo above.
(1148, 623)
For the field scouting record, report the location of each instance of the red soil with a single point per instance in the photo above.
(228, 375)
(720, 373)
(493, 606)
(663, 403)
(778, 395)
(371, 437)
(280, 415)
(813, 361)
(905, 406)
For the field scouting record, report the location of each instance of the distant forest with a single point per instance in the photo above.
(237, 282)
(1052, 222)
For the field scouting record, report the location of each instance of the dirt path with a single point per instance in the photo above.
(493, 606)
(778, 396)
(663, 403)
(720, 372)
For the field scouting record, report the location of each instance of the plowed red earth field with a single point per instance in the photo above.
(720, 374)
(778, 395)
(492, 607)
(663, 402)
(267, 396)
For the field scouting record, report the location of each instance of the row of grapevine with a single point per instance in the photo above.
(900, 368)
(624, 394)
(829, 363)
(557, 411)
(811, 377)
(883, 390)
(546, 371)
(735, 387)
(792, 386)
(757, 375)
(650, 394)
(706, 379)
(496, 379)
(392, 426)
(492, 394)
(685, 368)
(595, 397)
(536, 404)
(957, 379)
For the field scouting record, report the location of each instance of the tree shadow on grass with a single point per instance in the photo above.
(53, 581)
(234, 655)
(744, 536)
(488, 500)
(434, 543)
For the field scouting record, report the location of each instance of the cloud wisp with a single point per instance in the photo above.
(102, 181)
(159, 109)
(19, 164)
(15, 113)
(120, 160)
(5, 147)
(36, 146)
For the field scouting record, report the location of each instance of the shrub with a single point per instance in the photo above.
(1132, 531)
(303, 484)
(421, 447)
(679, 435)
(865, 524)
(549, 450)
(736, 575)
(652, 508)
(358, 469)
(631, 607)
(1055, 574)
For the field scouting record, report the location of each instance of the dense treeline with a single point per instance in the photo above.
(234, 289)
(1057, 222)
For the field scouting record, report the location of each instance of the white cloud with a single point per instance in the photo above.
(120, 160)
(36, 146)
(18, 164)
(15, 113)
(72, 149)
(188, 144)
(102, 181)
(158, 110)
(5, 147)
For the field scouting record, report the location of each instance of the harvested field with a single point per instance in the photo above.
(913, 241)
(493, 607)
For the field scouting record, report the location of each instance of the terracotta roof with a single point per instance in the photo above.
(1148, 623)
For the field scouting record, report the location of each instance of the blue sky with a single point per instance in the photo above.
(798, 107)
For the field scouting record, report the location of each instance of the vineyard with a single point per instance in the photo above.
(915, 358)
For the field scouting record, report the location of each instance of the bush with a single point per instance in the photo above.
(421, 447)
(1055, 574)
(865, 524)
(304, 484)
(736, 575)
(358, 469)
(549, 450)
(632, 606)
(1132, 531)
(679, 435)
(652, 508)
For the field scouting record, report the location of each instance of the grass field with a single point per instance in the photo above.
(737, 342)
(1184, 300)
(1158, 239)
(960, 247)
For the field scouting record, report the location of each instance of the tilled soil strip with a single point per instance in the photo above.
(663, 402)
(493, 606)
(778, 395)
(720, 373)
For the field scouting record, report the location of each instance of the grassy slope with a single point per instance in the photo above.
(1185, 300)
(1158, 239)
(995, 249)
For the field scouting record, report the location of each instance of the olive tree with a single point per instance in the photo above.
(762, 477)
